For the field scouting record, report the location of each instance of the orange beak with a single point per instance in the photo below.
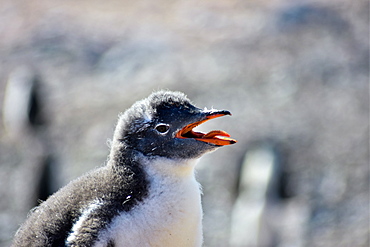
(216, 137)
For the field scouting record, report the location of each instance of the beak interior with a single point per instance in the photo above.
(216, 137)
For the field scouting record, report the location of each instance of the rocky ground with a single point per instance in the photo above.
(293, 73)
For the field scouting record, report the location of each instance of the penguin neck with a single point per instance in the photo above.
(177, 168)
(121, 155)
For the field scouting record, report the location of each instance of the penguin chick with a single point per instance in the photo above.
(146, 195)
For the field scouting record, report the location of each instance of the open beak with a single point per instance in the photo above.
(216, 137)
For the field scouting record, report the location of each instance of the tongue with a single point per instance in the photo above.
(217, 137)
(214, 133)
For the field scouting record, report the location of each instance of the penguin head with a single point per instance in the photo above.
(162, 125)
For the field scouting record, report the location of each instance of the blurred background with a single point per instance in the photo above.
(293, 73)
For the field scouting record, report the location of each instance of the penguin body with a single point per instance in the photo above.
(146, 195)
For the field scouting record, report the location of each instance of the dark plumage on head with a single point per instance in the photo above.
(151, 126)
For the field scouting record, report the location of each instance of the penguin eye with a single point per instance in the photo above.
(162, 128)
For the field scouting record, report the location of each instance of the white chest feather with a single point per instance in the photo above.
(171, 215)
